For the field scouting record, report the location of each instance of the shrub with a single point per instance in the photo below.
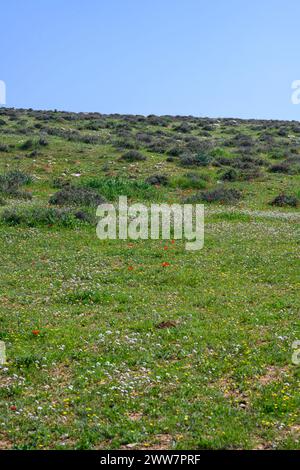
(121, 144)
(200, 159)
(183, 127)
(283, 200)
(241, 175)
(143, 137)
(11, 182)
(84, 216)
(195, 145)
(283, 167)
(157, 179)
(175, 151)
(28, 144)
(43, 141)
(247, 162)
(221, 195)
(38, 216)
(133, 156)
(241, 140)
(158, 146)
(230, 175)
(76, 196)
(250, 174)
(4, 148)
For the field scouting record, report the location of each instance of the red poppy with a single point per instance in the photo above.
(13, 408)
(35, 332)
(165, 264)
(130, 268)
(165, 247)
(172, 241)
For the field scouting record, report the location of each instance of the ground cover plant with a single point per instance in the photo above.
(142, 344)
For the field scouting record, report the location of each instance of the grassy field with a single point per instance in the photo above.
(142, 344)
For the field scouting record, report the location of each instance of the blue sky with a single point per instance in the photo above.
(205, 58)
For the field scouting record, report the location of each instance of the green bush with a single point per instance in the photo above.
(157, 180)
(221, 195)
(133, 156)
(200, 159)
(11, 182)
(76, 196)
(38, 216)
(285, 200)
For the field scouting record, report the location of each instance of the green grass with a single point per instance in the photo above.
(89, 365)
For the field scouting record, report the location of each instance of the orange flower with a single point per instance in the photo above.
(35, 332)
(165, 247)
(130, 268)
(172, 241)
(165, 264)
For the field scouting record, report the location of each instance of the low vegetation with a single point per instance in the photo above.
(122, 344)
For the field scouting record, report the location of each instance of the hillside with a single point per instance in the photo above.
(142, 344)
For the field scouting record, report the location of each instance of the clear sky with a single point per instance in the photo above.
(233, 58)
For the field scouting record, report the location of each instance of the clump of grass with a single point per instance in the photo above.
(59, 183)
(133, 156)
(189, 181)
(76, 196)
(231, 217)
(285, 200)
(112, 188)
(38, 216)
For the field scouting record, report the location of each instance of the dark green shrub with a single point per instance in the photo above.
(200, 159)
(28, 145)
(285, 200)
(11, 182)
(230, 175)
(4, 148)
(175, 151)
(183, 127)
(133, 156)
(38, 216)
(43, 142)
(157, 179)
(283, 167)
(76, 196)
(221, 195)
(158, 146)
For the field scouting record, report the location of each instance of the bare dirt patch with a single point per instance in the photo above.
(273, 374)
